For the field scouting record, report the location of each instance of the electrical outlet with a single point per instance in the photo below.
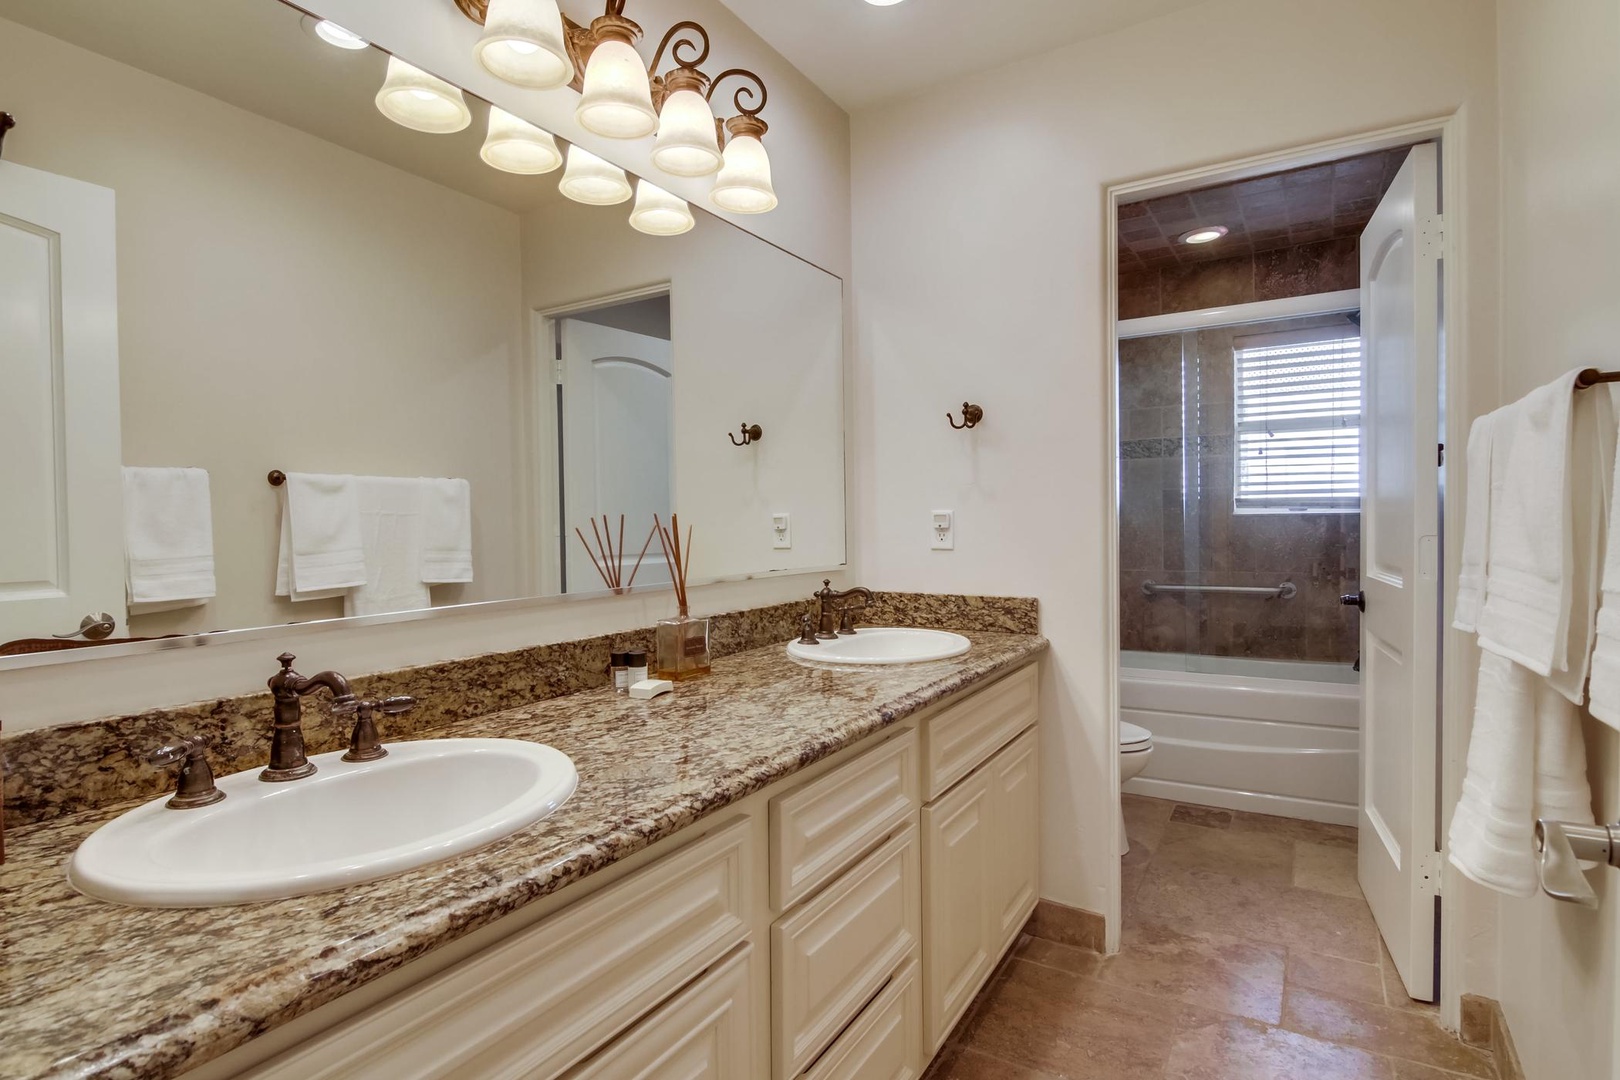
(781, 531)
(944, 531)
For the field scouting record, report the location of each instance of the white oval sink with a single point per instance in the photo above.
(884, 645)
(349, 823)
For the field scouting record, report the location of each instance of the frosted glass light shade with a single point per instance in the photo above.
(592, 181)
(687, 144)
(744, 184)
(523, 44)
(658, 213)
(517, 146)
(617, 98)
(422, 102)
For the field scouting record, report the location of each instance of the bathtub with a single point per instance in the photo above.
(1272, 736)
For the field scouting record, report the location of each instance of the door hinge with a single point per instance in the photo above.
(1430, 869)
(1442, 461)
(1432, 237)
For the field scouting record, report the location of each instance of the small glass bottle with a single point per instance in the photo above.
(636, 668)
(619, 666)
(683, 647)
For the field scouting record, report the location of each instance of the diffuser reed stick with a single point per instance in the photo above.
(610, 565)
(682, 642)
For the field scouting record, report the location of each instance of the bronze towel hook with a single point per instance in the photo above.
(7, 122)
(751, 433)
(276, 478)
(972, 415)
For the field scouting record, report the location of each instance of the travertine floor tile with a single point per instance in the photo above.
(1325, 868)
(1050, 954)
(960, 1063)
(1243, 1050)
(1400, 1033)
(1260, 911)
(1229, 974)
(1240, 855)
(1077, 1028)
(1145, 819)
(1312, 832)
(1337, 976)
(1207, 816)
(1411, 1070)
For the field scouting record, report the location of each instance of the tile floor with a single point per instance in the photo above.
(1248, 954)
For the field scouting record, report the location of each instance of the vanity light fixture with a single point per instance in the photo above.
(622, 98)
(1204, 234)
(592, 181)
(333, 34)
(658, 213)
(516, 146)
(883, 3)
(524, 44)
(422, 102)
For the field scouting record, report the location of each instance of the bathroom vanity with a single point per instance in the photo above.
(785, 870)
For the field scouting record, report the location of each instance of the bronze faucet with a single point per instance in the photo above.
(836, 616)
(287, 758)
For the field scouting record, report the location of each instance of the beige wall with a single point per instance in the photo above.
(1559, 70)
(283, 303)
(980, 272)
(809, 142)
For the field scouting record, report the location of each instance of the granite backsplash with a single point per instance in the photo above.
(54, 771)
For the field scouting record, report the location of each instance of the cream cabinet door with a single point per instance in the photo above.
(704, 1033)
(958, 848)
(1015, 817)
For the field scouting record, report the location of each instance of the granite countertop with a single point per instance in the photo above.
(89, 989)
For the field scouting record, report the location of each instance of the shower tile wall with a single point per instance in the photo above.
(1271, 275)
(1177, 523)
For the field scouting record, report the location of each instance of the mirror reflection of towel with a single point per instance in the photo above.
(320, 552)
(447, 532)
(168, 539)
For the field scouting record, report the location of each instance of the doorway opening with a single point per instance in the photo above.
(1278, 496)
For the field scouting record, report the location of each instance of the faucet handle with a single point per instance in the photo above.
(807, 630)
(365, 744)
(398, 705)
(196, 785)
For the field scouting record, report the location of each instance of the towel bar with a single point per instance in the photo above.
(1286, 591)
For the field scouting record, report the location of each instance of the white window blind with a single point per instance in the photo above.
(1298, 422)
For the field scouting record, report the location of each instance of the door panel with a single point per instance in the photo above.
(1400, 328)
(61, 539)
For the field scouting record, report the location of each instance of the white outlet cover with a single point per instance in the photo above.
(781, 532)
(943, 531)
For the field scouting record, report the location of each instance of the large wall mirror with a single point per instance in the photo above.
(220, 260)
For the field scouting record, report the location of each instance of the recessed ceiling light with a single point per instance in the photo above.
(333, 34)
(1204, 235)
(883, 3)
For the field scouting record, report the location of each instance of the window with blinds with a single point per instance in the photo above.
(1298, 422)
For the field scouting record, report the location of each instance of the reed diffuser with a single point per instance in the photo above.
(611, 563)
(682, 642)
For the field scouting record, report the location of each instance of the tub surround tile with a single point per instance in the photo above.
(89, 989)
(63, 770)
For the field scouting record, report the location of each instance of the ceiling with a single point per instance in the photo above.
(260, 56)
(1265, 213)
(860, 54)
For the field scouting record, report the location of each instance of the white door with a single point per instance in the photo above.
(61, 532)
(1400, 526)
(616, 415)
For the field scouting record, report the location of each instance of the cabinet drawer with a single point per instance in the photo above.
(832, 955)
(885, 1042)
(541, 1001)
(825, 826)
(704, 1033)
(959, 739)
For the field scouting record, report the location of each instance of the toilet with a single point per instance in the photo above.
(1135, 747)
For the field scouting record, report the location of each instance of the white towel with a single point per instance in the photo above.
(1590, 493)
(168, 539)
(1476, 526)
(321, 554)
(391, 535)
(1526, 761)
(1526, 615)
(446, 531)
(1605, 687)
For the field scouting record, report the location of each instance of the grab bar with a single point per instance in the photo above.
(1286, 591)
